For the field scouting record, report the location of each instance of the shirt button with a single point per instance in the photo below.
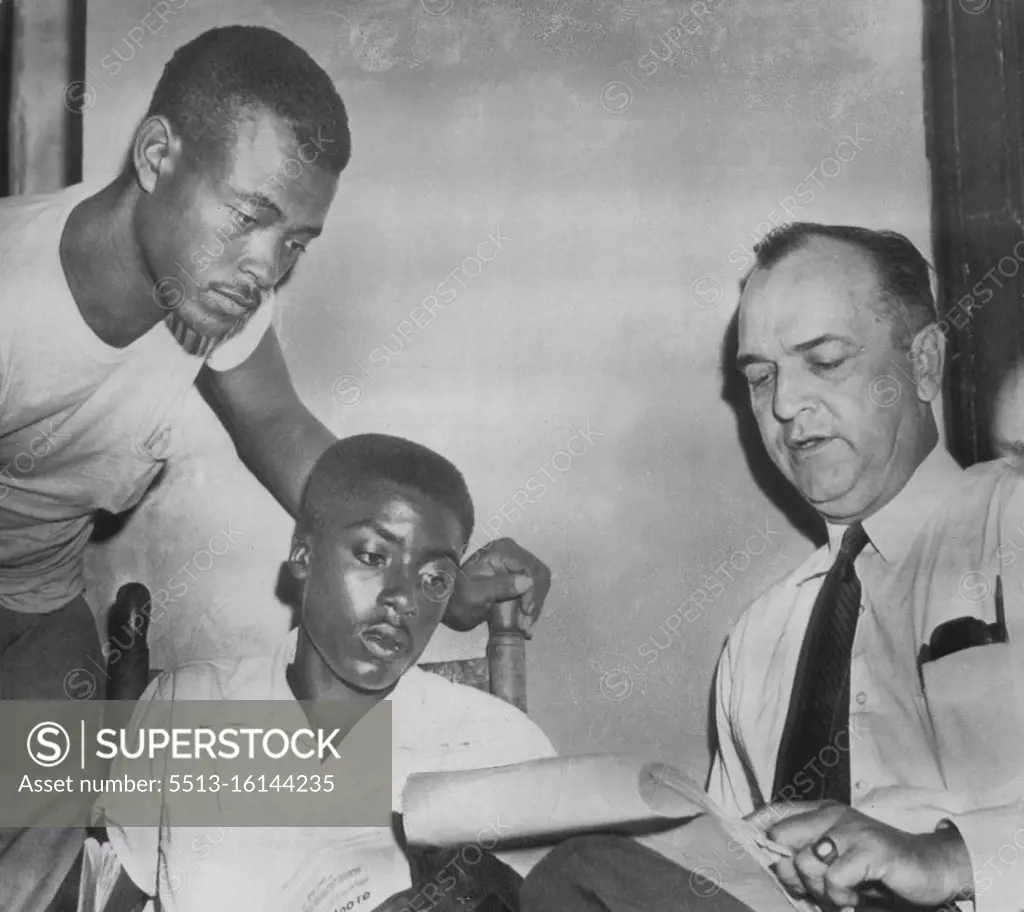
(860, 785)
(862, 698)
(860, 609)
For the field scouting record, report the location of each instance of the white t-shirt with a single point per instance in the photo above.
(83, 425)
(436, 725)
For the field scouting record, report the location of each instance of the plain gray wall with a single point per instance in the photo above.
(631, 189)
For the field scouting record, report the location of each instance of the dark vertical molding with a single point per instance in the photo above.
(74, 158)
(6, 58)
(973, 93)
(44, 128)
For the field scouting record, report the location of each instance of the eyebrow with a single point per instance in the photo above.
(265, 202)
(820, 340)
(257, 199)
(395, 540)
(442, 553)
(744, 361)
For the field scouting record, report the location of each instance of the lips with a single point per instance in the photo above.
(809, 445)
(386, 642)
(240, 303)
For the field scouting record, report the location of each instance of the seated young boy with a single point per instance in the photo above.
(383, 526)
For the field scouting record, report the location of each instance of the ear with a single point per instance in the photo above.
(928, 357)
(298, 557)
(155, 152)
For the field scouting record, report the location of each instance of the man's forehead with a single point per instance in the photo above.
(264, 163)
(261, 140)
(397, 506)
(815, 290)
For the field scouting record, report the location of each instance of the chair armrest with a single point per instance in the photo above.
(506, 654)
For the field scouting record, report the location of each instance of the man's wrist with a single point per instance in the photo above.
(954, 859)
(462, 617)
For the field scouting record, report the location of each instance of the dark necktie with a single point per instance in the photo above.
(813, 741)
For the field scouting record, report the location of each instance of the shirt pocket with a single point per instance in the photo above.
(115, 470)
(972, 697)
(144, 403)
(145, 461)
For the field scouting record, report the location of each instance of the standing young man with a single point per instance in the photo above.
(113, 303)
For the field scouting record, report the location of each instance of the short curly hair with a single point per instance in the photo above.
(217, 78)
(350, 461)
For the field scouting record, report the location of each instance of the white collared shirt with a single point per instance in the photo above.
(927, 743)
(436, 725)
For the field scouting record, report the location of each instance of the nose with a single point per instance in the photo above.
(263, 263)
(399, 594)
(792, 395)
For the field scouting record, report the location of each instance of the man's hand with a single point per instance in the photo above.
(499, 572)
(927, 869)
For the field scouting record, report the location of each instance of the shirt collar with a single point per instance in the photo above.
(891, 530)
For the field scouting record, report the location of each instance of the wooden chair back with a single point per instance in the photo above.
(501, 672)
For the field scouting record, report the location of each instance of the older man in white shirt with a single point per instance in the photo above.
(869, 705)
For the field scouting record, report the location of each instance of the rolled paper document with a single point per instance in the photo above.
(547, 799)
(541, 802)
(525, 801)
(662, 785)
